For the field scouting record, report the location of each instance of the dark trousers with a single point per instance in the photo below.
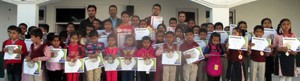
(14, 71)
(146, 77)
(211, 78)
(103, 74)
(127, 75)
(55, 75)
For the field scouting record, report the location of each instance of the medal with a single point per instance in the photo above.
(240, 55)
(119, 30)
(288, 47)
(261, 53)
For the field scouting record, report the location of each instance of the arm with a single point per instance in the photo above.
(47, 53)
(159, 51)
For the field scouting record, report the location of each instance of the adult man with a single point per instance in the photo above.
(156, 9)
(91, 10)
(113, 11)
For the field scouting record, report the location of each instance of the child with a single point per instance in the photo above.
(219, 26)
(112, 51)
(236, 68)
(267, 23)
(143, 24)
(75, 52)
(70, 28)
(169, 71)
(203, 25)
(92, 50)
(162, 27)
(14, 67)
(189, 70)
(285, 62)
(243, 26)
(45, 30)
(213, 53)
(146, 52)
(210, 27)
(227, 28)
(83, 37)
(172, 24)
(202, 75)
(97, 24)
(39, 51)
(160, 35)
(196, 29)
(135, 21)
(54, 69)
(191, 24)
(27, 36)
(179, 35)
(125, 27)
(128, 51)
(23, 27)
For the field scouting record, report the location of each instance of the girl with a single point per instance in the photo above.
(143, 24)
(161, 27)
(55, 69)
(213, 53)
(70, 28)
(146, 52)
(219, 26)
(267, 23)
(128, 51)
(243, 26)
(236, 68)
(179, 35)
(210, 27)
(75, 52)
(112, 51)
(191, 24)
(135, 21)
(84, 38)
(160, 35)
(169, 71)
(196, 30)
(285, 62)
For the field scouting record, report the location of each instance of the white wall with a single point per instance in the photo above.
(8, 16)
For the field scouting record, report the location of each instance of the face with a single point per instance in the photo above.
(13, 34)
(94, 39)
(235, 33)
(34, 38)
(259, 33)
(70, 28)
(96, 24)
(135, 21)
(108, 25)
(130, 41)
(189, 36)
(170, 38)
(23, 29)
(267, 24)
(203, 36)
(125, 18)
(286, 25)
(160, 37)
(210, 28)
(219, 28)
(216, 40)
(55, 42)
(182, 18)
(179, 33)
(226, 29)
(91, 12)
(146, 44)
(74, 39)
(173, 23)
(43, 29)
(243, 26)
(143, 24)
(88, 30)
(113, 11)
(155, 10)
(161, 28)
(196, 30)
(111, 42)
(191, 24)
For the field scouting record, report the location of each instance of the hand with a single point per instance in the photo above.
(252, 44)
(52, 54)
(187, 56)
(68, 59)
(197, 62)
(75, 59)
(293, 52)
(145, 57)
(106, 58)
(284, 49)
(18, 51)
(90, 55)
(225, 55)
(207, 55)
(227, 45)
(271, 46)
(5, 50)
(35, 59)
(28, 58)
(249, 52)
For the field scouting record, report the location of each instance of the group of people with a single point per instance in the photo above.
(220, 63)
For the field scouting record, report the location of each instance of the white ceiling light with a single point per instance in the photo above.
(222, 3)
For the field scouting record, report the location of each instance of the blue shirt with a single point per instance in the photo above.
(114, 22)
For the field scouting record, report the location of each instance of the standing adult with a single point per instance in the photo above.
(181, 20)
(113, 11)
(156, 9)
(91, 10)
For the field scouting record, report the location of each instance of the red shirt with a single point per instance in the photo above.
(257, 57)
(125, 29)
(186, 46)
(75, 50)
(17, 42)
(146, 52)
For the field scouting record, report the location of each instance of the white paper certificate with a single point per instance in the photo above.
(291, 43)
(269, 33)
(260, 44)
(298, 50)
(202, 43)
(156, 46)
(156, 20)
(236, 42)
(146, 65)
(59, 55)
(208, 35)
(32, 68)
(171, 58)
(93, 63)
(128, 65)
(77, 67)
(172, 29)
(10, 55)
(114, 66)
(141, 32)
(28, 43)
(121, 39)
(224, 35)
(196, 55)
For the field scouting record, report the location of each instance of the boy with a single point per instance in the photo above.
(14, 67)
(23, 27)
(39, 51)
(98, 24)
(172, 24)
(45, 30)
(189, 70)
(125, 27)
(201, 75)
(219, 26)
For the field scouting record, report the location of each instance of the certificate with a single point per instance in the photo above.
(224, 35)
(141, 32)
(298, 50)
(236, 42)
(93, 63)
(196, 55)
(156, 46)
(208, 35)
(269, 33)
(10, 55)
(28, 43)
(59, 55)
(156, 20)
(148, 65)
(74, 67)
(112, 65)
(171, 58)
(260, 44)
(202, 43)
(32, 68)
(291, 43)
(196, 37)
(172, 29)
(128, 65)
(232, 26)
(121, 39)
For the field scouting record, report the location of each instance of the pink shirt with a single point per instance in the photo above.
(47, 52)
(53, 66)
(148, 52)
(278, 39)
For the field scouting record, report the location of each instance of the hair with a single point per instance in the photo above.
(163, 25)
(77, 33)
(146, 38)
(189, 31)
(91, 6)
(37, 33)
(258, 27)
(241, 22)
(63, 34)
(125, 12)
(56, 36)
(202, 30)
(266, 19)
(130, 36)
(97, 20)
(214, 34)
(181, 12)
(70, 23)
(91, 26)
(191, 20)
(23, 25)
(113, 6)
(239, 30)
(108, 20)
(135, 16)
(15, 28)
(209, 24)
(170, 32)
(112, 35)
(172, 19)
(279, 28)
(159, 31)
(29, 30)
(158, 5)
(50, 37)
(179, 27)
(45, 26)
(203, 25)
(218, 24)
(143, 21)
(10, 27)
(93, 33)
